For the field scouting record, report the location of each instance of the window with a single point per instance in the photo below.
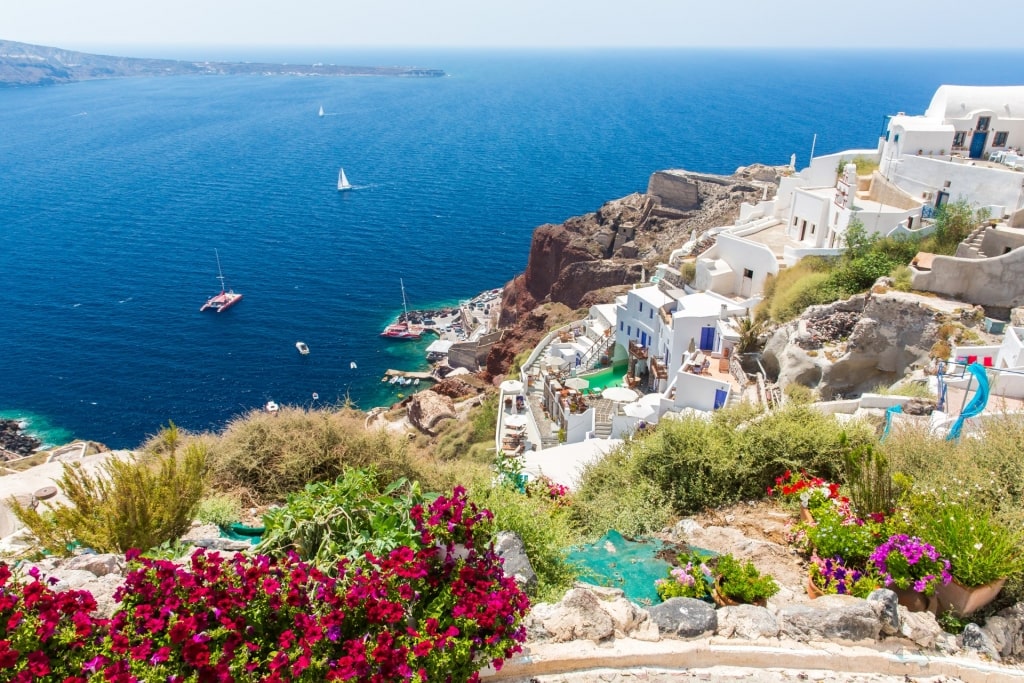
(896, 138)
(959, 138)
(1000, 139)
(641, 306)
(983, 122)
(622, 326)
(747, 273)
(629, 331)
(651, 314)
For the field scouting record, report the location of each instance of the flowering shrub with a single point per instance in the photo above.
(691, 579)
(544, 486)
(832, 576)
(909, 563)
(437, 609)
(837, 532)
(741, 581)
(809, 492)
(44, 634)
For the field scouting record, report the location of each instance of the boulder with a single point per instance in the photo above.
(71, 579)
(579, 616)
(974, 638)
(749, 622)
(427, 408)
(1011, 623)
(684, 617)
(509, 546)
(832, 617)
(919, 627)
(99, 565)
(890, 609)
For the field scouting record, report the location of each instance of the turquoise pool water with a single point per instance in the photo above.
(608, 377)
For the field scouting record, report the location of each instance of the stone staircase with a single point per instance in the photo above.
(971, 246)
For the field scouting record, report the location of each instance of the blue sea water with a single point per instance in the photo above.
(116, 193)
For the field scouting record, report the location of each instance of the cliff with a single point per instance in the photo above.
(25, 64)
(592, 258)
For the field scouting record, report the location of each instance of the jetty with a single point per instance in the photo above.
(408, 374)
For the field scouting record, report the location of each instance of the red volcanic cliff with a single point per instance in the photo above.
(593, 257)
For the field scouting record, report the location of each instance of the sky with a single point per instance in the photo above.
(90, 24)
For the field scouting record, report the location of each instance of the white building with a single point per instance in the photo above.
(938, 155)
(735, 266)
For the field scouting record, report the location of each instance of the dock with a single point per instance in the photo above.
(408, 374)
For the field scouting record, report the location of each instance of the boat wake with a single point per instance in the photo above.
(124, 301)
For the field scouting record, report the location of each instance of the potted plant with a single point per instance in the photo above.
(982, 552)
(913, 569)
(810, 493)
(831, 576)
(737, 582)
(691, 579)
(837, 532)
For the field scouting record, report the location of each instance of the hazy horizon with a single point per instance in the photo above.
(532, 24)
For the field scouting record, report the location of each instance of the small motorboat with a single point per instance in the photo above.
(303, 349)
(416, 381)
(353, 365)
(396, 379)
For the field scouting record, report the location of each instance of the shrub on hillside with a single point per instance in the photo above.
(685, 466)
(357, 514)
(792, 299)
(545, 527)
(140, 502)
(273, 455)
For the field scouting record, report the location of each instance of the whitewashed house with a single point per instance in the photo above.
(735, 266)
(937, 156)
(1005, 362)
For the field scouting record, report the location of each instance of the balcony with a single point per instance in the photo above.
(659, 369)
(637, 351)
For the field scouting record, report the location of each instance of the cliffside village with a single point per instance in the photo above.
(670, 345)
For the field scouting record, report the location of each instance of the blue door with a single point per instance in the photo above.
(643, 339)
(978, 144)
(720, 395)
(707, 339)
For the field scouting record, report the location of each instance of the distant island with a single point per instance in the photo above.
(26, 64)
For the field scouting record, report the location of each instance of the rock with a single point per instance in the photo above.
(69, 579)
(684, 529)
(102, 590)
(749, 622)
(890, 610)
(1013, 629)
(647, 631)
(99, 565)
(221, 544)
(626, 616)
(974, 638)
(534, 622)
(919, 627)
(201, 531)
(832, 617)
(427, 408)
(684, 617)
(579, 616)
(1000, 632)
(509, 546)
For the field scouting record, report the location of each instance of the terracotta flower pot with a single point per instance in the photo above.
(806, 516)
(812, 589)
(915, 601)
(964, 600)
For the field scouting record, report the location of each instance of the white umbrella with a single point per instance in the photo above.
(515, 420)
(619, 394)
(556, 362)
(577, 383)
(639, 410)
(511, 386)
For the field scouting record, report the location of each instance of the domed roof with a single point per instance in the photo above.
(952, 102)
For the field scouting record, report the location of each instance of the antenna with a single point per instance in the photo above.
(814, 141)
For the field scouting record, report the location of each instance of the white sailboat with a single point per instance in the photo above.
(343, 183)
(321, 111)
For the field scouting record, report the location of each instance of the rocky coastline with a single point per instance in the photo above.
(15, 441)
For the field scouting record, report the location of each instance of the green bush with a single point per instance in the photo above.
(219, 509)
(685, 466)
(546, 530)
(965, 532)
(740, 581)
(274, 455)
(347, 518)
(791, 301)
(832, 535)
(140, 502)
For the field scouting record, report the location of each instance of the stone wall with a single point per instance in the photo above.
(995, 281)
(674, 191)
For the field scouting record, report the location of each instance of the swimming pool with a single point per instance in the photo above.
(608, 377)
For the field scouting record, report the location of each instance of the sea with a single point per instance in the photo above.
(118, 195)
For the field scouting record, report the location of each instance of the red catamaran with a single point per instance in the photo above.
(403, 329)
(227, 297)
